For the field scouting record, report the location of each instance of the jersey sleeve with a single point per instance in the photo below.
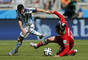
(33, 10)
(62, 19)
(66, 48)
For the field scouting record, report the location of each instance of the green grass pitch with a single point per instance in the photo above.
(26, 52)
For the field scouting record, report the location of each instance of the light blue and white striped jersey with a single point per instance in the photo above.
(27, 17)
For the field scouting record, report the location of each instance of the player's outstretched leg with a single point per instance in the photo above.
(35, 45)
(72, 52)
(48, 40)
(38, 34)
(19, 43)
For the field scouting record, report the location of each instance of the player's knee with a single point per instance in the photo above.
(20, 39)
(48, 39)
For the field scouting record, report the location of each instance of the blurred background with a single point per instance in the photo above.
(81, 6)
(45, 23)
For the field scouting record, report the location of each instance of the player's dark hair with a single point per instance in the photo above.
(60, 27)
(20, 7)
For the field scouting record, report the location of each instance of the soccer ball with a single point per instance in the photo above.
(47, 51)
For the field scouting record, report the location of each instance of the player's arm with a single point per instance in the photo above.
(62, 19)
(42, 10)
(21, 26)
(66, 48)
(33, 10)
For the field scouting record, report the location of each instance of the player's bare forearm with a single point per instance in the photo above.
(20, 25)
(42, 10)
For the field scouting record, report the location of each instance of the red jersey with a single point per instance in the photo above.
(64, 40)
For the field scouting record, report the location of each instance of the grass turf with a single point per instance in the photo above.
(27, 52)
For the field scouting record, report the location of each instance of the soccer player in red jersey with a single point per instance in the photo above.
(65, 39)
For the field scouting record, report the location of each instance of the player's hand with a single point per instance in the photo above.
(52, 12)
(24, 31)
(48, 12)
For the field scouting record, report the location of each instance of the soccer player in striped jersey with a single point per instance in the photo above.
(25, 21)
(64, 40)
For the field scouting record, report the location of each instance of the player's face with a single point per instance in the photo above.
(22, 11)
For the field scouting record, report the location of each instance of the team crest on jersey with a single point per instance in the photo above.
(64, 41)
